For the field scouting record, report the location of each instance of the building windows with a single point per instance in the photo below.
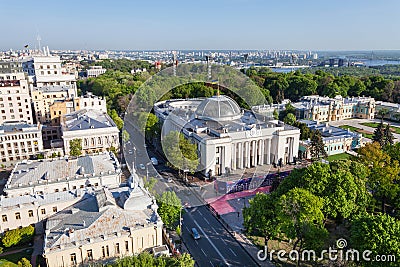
(54, 209)
(30, 213)
(89, 254)
(73, 258)
(103, 251)
(117, 251)
(18, 216)
(107, 251)
(4, 217)
(43, 211)
(127, 246)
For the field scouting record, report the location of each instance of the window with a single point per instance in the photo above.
(18, 216)
(127, 246)
(217, 149)
(103, 251)
(117, 248)
(54, 209)
(73, 259)
(89, 254)
(30, 213)
(43, 211)
(4, 217)
(107, 251)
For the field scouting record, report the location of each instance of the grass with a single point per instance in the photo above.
(339, 157)
(375, 125)
(358, 130)
(11, 260)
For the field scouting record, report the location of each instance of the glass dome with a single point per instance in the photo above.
(218, 108)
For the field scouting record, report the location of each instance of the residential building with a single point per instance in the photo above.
(63, 107)
(321, 109)
(95, 71)
(46, 70)
(390, 110)
(63, 174)
(96, 130)
(336, 140)
(43, 97)
(227, 137)
(99, 228)
(22, 211)
(19, 141)
(15, 101)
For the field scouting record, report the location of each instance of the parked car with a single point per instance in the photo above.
(130, 152)
(195, 233)
(141, 166)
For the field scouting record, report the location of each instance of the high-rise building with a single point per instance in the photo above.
(15, 102)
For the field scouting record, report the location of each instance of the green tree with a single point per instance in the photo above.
(260, 217)
(24, 263)
(125, 136)
(117, 120)
(290, 119)
(388, 135)
(75, 147)
(302, 219)
(18, 236)
(149, 184)
(180, 152)
(169, 208)
(379, 134)
(378, 233)
(148, 123)
(317, 147)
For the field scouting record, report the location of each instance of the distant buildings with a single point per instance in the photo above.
(95, 71)
(321, 109)
(227, 137)
(15, 101)
(390, 111)
(19, 141)
(96, 130)
(335, 139)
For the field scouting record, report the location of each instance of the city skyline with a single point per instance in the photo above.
(216, 25)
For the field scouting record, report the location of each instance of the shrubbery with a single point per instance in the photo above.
(18, 236)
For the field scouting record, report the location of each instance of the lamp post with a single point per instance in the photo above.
(134, 156)
(147, 170)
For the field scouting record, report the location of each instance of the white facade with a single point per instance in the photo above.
(46, 70)
(15, 102)
(19, 141)
(95, 71)
(96, 130)
(228, 138)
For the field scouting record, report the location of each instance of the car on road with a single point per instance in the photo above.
(154, 161)
(195, 233)
(141, 166)
(130, 152)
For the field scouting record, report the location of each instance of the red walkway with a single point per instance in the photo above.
(221, 204)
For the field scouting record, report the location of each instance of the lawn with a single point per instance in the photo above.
(375, 125)
(358, 130)
(339, 157)
(11, 260)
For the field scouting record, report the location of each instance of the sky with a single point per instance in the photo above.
(203, 24)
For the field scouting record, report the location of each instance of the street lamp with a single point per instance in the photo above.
(147, 170)
(134, 156)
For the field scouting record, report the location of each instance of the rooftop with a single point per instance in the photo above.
(13, 127)
(86, 119)
(29, 173)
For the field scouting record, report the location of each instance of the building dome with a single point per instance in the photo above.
(218, 108)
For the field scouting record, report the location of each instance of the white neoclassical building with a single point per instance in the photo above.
(96, 130)
(228, 138)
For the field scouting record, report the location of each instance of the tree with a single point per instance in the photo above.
(378, 233)
(261, 216)
(148, 123)
(149, 184)
(125, 136)
(24, 263)
(180, 152)
(388, 136)
(169, 208)
(117, 120)
(75, 147)
(379, 134)
(383, 174)
(317, 147)
(17, 236)
(290, 119)
(301, 218)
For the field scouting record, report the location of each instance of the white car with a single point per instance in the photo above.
(142, 167)
(130, 152)
(154, 161)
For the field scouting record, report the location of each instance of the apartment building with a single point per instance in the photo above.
(96, 130)
(95, 71)
(15, 101)
(19, 141)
